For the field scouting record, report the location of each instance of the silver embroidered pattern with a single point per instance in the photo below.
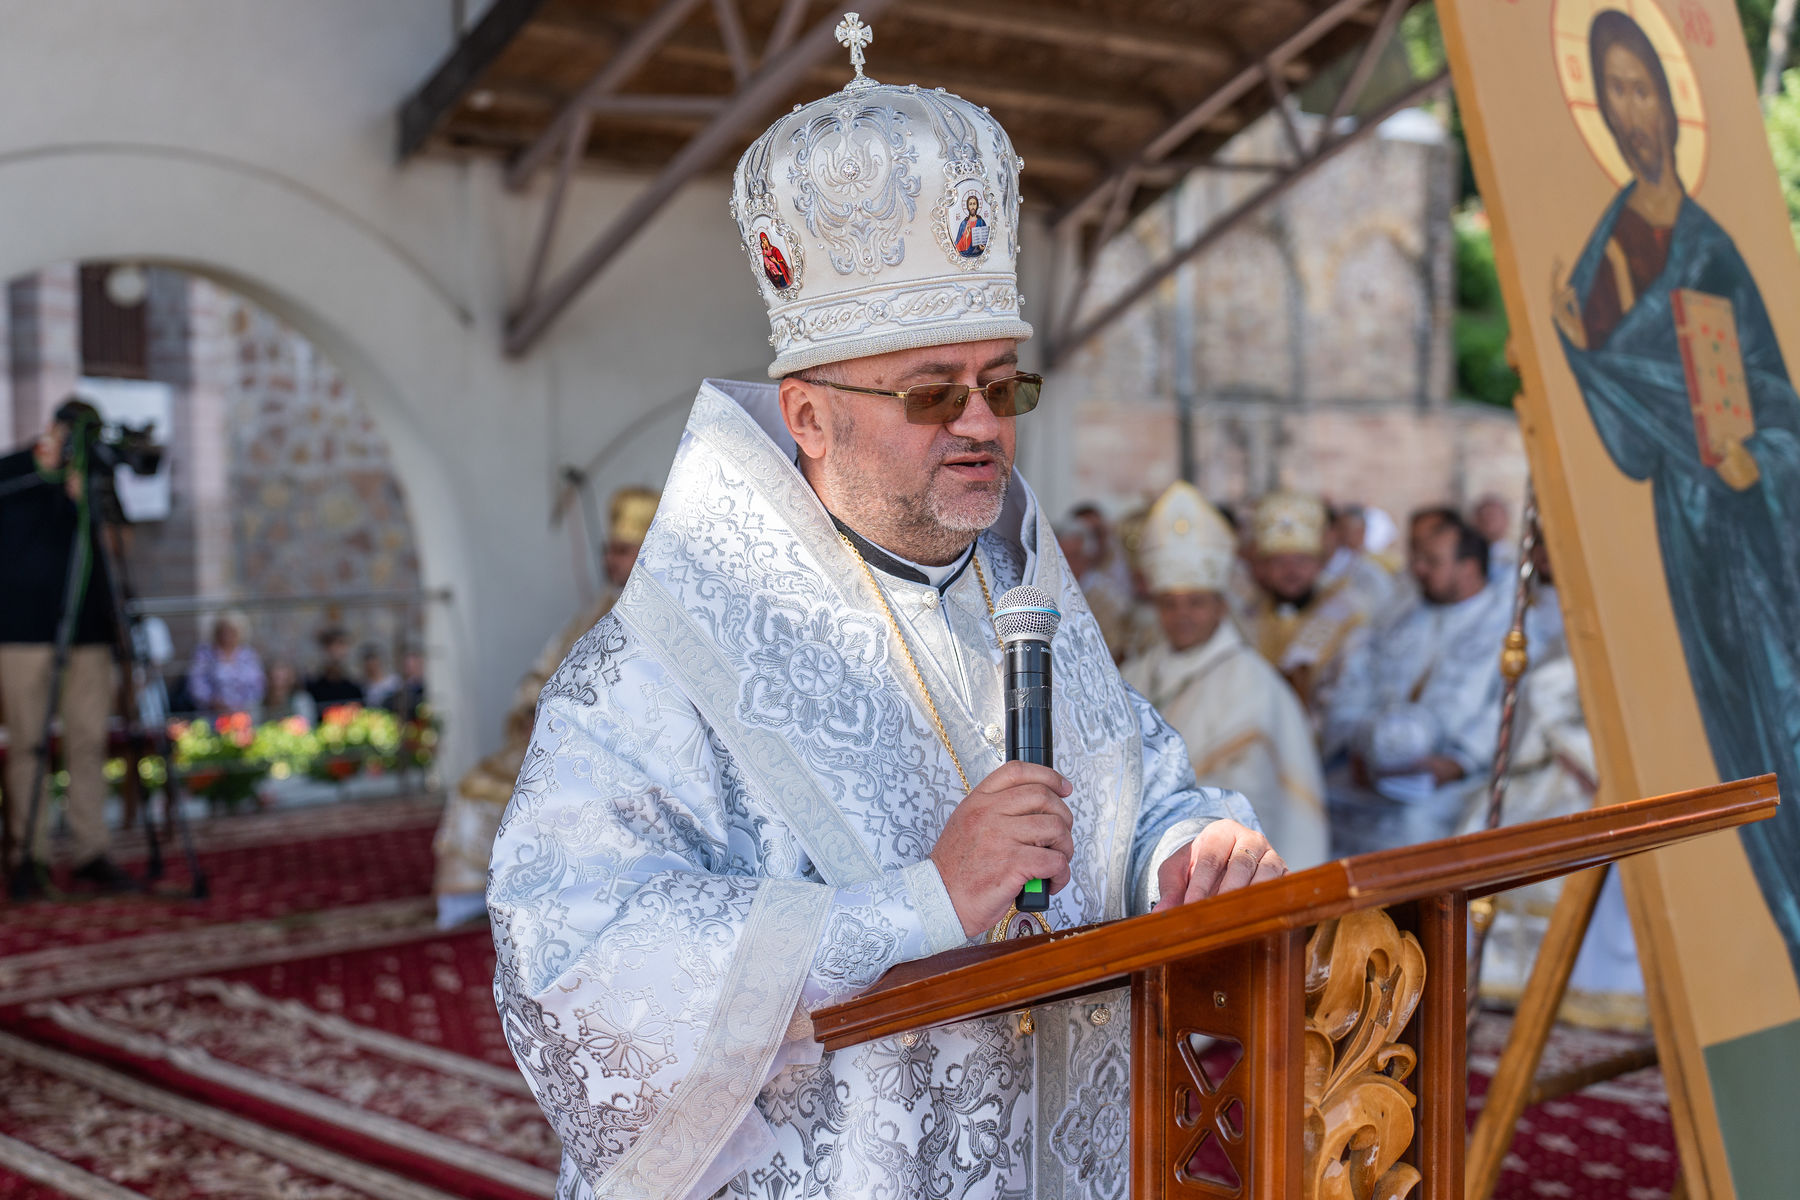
(757, 215)
(677, 884)
(854, 187)
(964, 176)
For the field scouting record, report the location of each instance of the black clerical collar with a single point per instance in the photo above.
(887, 564)
(1300, 605)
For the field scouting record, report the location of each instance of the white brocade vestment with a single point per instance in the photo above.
(1426, 684)
(1245, 731)
(723, 823)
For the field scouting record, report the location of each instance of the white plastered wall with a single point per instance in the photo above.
(252, 142)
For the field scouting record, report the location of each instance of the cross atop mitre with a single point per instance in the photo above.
(853, 33)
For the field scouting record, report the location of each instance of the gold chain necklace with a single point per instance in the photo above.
(912, 664)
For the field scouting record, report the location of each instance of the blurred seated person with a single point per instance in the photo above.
(226, 675)
(379, 685)
(154, 644)
(1297, 621)
(1076, 541)
(1100, 568)
(1417, 710)
(334, 684)
(465, 836)
(410, 696)
(1142, 630)
(286, 698)
(1492, 519)
(1553, 773)
(1243, 725)
(1351, 566)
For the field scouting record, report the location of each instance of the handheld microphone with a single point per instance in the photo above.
(1025, 621)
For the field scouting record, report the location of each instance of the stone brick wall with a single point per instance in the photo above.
(44, 348)
(1312, 342)
(1398, 458)
(316, 508)
(188, 553)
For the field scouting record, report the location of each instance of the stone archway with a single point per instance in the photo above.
(396, 333)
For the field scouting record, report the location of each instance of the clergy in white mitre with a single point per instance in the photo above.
(1298, 621)
(1243, 725)
(775, 769)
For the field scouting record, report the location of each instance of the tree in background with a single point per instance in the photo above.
(1782, 119)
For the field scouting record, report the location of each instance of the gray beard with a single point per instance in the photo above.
(918, 525)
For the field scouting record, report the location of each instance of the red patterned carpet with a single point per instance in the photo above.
(308, 1035)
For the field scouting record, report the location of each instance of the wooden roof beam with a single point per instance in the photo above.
(424, 111)
(1007, 90)
(771, 83)
(1096, 201)
(1064, 343)
(631, 54)
(1037, 23)
(1031, 94)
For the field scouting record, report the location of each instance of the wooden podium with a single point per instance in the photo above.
(1342, 988)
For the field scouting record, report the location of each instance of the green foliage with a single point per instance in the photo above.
(1424, 40)
(215, 759)
(1755, 16)
(1782, 120)
(226, 758)
(1478, 332)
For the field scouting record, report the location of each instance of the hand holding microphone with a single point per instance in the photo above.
(1012, 837)
(1025, 621)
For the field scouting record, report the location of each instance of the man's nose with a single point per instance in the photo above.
(977, 420)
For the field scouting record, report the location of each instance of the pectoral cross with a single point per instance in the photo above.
(853, 33)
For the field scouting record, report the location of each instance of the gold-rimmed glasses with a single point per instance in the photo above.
(942, 403)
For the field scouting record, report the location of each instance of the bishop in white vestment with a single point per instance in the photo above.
(774, 770)
(1243, 725)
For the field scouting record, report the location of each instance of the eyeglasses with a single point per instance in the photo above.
(942, 403)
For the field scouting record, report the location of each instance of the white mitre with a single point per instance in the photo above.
(1187, 546)
(879, 219)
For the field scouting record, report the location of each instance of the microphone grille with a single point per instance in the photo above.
(1026, 612)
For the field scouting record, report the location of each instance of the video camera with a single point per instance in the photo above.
(106, 449)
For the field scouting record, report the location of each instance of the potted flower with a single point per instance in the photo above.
(213, 759)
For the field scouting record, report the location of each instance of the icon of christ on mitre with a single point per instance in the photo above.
(972, 234)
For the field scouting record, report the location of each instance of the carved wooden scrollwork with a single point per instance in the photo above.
(1363, 981)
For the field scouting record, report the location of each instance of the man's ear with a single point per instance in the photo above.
(800, 412)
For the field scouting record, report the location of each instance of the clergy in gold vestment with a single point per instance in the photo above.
(1299, 622)
(1243, 725)
(465, 835)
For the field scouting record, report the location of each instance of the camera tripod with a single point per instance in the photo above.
(89, 554)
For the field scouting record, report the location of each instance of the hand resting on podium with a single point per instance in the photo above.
(1223, 857)
(1014, 826)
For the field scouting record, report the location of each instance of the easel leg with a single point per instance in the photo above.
(1531, 1029)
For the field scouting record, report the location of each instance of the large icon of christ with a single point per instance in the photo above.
(1670, 342)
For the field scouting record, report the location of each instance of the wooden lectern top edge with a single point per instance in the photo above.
(980, 980)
